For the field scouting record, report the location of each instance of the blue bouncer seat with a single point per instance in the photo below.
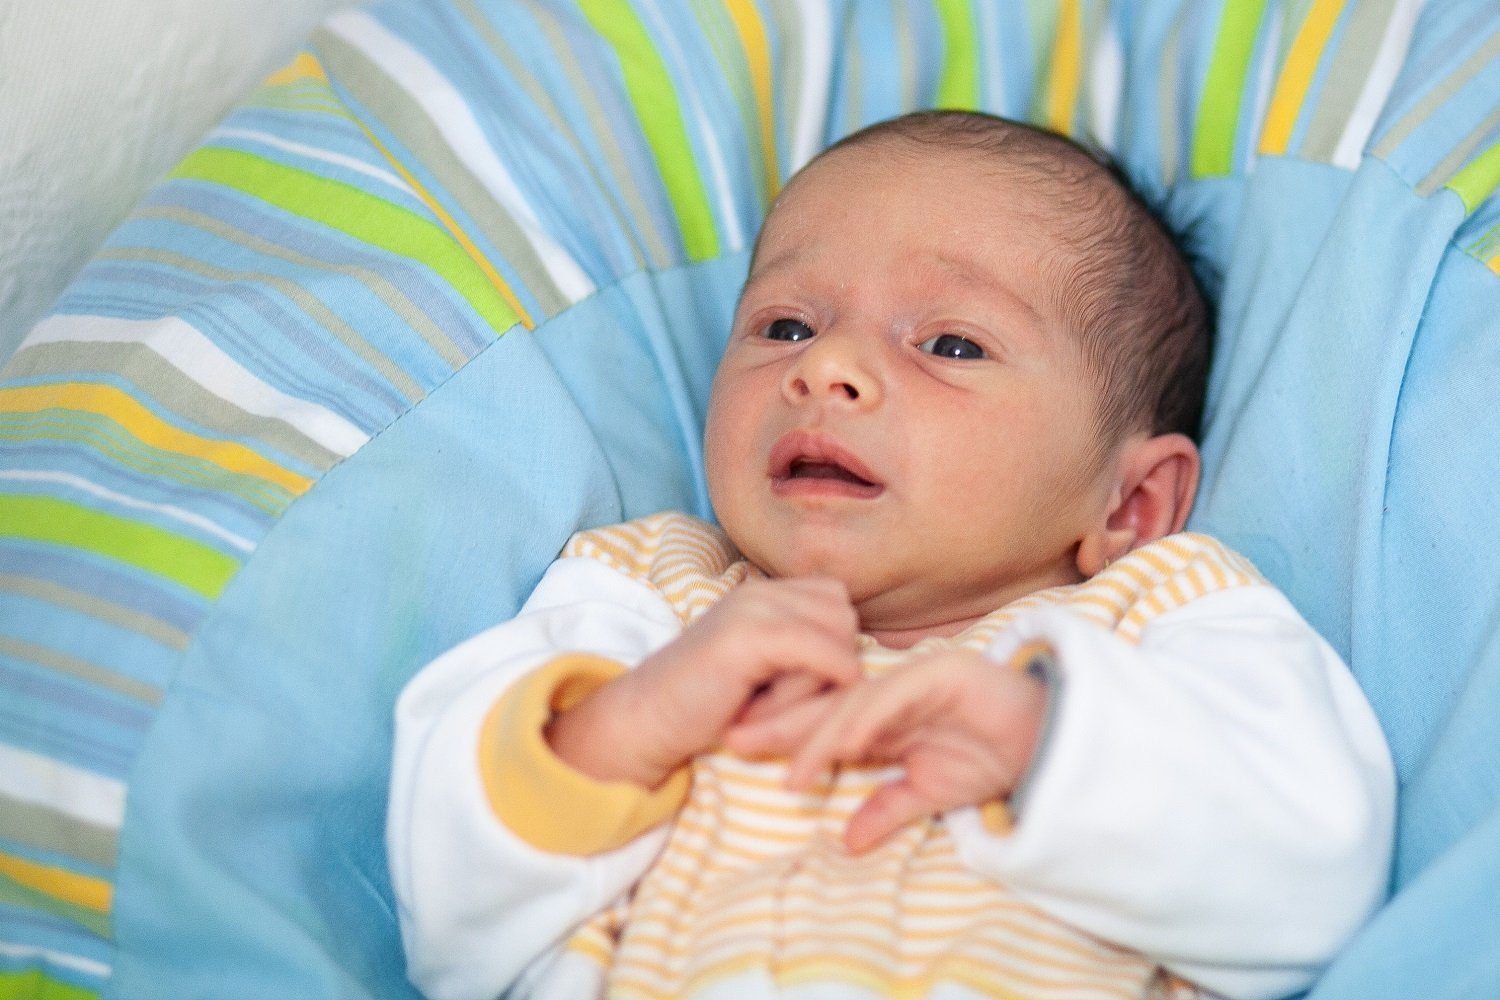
(452, 285)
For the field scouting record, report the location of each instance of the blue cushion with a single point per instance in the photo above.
(452, 286)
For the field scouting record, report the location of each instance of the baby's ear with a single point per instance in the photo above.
(1157, 479)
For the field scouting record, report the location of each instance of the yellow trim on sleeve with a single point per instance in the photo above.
(542, 800)
(999, 816)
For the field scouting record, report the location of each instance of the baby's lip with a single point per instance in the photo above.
(816, 457)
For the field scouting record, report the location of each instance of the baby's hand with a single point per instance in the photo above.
(767, 644)
(962, 727)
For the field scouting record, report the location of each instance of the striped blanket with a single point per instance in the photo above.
(451, 287)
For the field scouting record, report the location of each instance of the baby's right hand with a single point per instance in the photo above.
(645, 724)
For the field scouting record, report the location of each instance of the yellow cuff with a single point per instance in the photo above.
(540, 798)
(1034, 658)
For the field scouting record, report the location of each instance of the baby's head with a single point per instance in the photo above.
(967, 364)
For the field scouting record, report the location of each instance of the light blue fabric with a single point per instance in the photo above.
(259, 804)
(1350, 451)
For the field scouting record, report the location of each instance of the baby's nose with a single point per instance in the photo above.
(833, 368)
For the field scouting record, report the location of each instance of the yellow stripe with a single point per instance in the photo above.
(641, 976)
(1067, 68)
(120, 407)
(1297, 75)
(758, 56)
(303, 67)
(70, 887)
(454, 229)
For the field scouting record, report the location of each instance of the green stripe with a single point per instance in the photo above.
(13, 893)
(399, 302)
(195, 566)
(1224, 88)
(959, 84)
(647, 228)
(420, 136)
(356, 213)
(660, 117)
(37, 985)
(1475, 182)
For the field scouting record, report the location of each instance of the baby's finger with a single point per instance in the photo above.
(778, 694)
(889, 808)
(775, 735)
(818, 654)
(840, 737)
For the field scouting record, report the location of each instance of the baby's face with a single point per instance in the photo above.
(898, 407)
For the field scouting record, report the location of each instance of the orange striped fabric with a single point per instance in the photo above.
(754, 880)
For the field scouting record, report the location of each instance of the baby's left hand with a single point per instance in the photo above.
(962, 727)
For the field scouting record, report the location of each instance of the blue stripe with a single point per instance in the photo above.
(75, 570)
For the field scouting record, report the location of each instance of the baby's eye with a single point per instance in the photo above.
(788, 329)
(951, 345)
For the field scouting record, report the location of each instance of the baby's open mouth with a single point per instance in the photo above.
(803, 468)
(814, 464)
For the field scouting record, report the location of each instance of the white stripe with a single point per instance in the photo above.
(1383, 72)
(810, 123)
(58, 958)
(176, 513)
(201, 360)
(1106, 80)
(1263, 80)
(734, 235)
(313, 153)
(451, 115)
(43, 781)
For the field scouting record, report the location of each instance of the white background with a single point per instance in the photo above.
(98, 99)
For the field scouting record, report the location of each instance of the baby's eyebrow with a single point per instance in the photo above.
(972, 275)
(784, 258)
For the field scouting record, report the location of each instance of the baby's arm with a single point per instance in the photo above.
(645, 724)
(1219, 796)
(477, 902)
(506, 829)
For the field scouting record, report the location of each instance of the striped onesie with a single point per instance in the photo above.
(1207, 759)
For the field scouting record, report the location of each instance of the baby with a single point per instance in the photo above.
(948, 705)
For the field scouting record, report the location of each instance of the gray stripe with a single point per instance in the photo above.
(50, 830)
(92, 576)
(579, 161)
(94, 607)
(80, 669)
(1436, 97)
(303, 299)
(418, 133)
(1346, 78)
(167, 385)
(99, 432)
(1460, 154)
(381, 287)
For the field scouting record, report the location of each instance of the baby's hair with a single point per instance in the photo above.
(1143, 322)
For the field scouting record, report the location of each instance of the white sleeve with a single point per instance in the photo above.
(1218, 797)
(477, 905)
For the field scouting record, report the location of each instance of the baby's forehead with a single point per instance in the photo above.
(1050, 203)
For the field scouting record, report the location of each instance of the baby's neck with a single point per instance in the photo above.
(905, 638)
